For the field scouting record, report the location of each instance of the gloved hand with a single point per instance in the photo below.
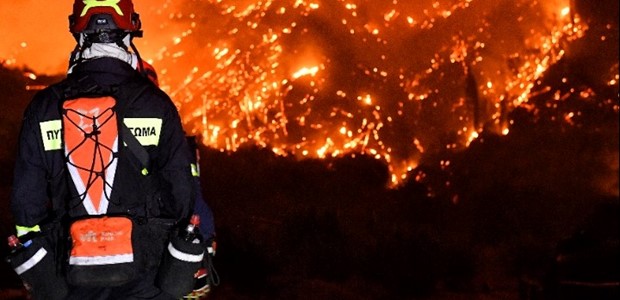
(212, 247)
(213, 278)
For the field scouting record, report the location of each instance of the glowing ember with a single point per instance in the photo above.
(306, 71)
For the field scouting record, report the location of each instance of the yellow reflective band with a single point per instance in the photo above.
(146, 130)
(145, 171)
(22, 230)
(195, 171)
(51, 134)
(102, 3)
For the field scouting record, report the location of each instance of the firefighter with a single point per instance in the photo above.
(206, 277)
(103, 173)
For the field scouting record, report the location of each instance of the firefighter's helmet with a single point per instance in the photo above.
(95, 16)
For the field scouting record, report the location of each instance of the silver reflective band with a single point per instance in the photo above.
(184, 256)
(35, 259)
(100, 260)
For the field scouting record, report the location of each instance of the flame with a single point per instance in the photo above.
(306, 71)
(364, 83)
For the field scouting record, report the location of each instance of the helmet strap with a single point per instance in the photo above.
(140, 62)
(121, 44)
(76, 55)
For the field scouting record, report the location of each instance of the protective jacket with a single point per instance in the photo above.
(44, 191)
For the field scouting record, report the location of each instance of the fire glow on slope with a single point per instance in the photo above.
(393, 79)
(387, 78)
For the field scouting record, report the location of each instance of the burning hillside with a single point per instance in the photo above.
(387, 78)
(392, 79)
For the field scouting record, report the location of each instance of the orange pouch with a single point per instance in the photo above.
(102, 252)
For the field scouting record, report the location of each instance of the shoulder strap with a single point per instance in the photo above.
(132, 143)
(136, 148)
(130, 140)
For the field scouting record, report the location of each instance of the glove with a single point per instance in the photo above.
(212, 247)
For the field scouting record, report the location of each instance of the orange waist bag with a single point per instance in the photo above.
(102, 252)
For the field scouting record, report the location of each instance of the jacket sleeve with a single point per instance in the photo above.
(174, 162)
(207, 222)
(29, 199)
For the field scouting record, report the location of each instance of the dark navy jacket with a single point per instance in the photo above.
(42, 189)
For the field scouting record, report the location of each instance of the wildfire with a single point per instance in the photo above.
(389, 78)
